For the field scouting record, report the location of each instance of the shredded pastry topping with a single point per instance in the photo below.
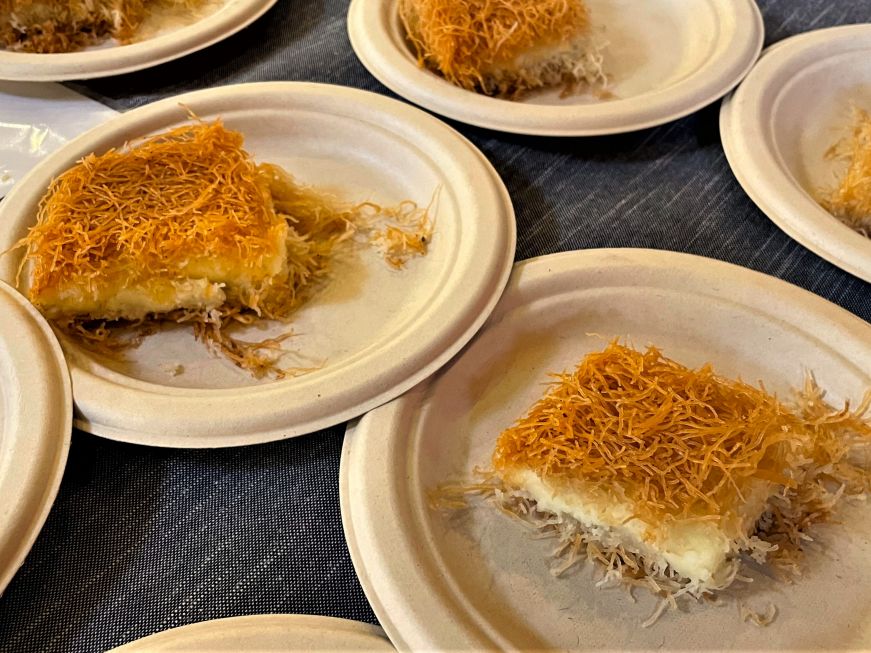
(680, 446)
(850, 200)
(192, 192)
(676, 441)
(185, 227)
(502, 47)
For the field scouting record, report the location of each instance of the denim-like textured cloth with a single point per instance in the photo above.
(143, 539)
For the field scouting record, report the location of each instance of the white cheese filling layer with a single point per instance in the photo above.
(697, 550)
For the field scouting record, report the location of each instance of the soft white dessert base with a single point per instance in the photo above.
(203, 284)
(552, 65)
(134, 302)
(697, 550)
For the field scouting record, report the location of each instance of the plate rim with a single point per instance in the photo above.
(122, 59)
(48, 488)
(377, 54)
(149, 118)
(781, 198)
(372, 431)
(281, 620)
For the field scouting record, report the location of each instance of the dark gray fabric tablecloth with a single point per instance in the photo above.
(144, 539)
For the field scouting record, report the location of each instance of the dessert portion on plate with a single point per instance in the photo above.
(506, 48)
(671, 478)
(850, 199)
(185, 227)
(50, 26)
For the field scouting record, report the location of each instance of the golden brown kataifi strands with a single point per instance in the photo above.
(676, 441)
(101, 213)
(850, 200)
(660, 434)
(463, 40)
(164, 202)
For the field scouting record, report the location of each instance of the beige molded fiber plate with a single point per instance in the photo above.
(36, 411)
(280, 633)
(480, 580)
(161, 41)
(777, 126)
(711, 46)
(371, 333)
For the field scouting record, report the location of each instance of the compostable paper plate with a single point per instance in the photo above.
(161, 41)
(36, 410)
(778, 126)
(368, 335)
(664, 59)
(479, 580)
(268, 632)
